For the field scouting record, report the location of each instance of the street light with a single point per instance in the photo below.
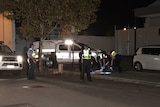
(135, 39)
(128, 40)
(68, 42)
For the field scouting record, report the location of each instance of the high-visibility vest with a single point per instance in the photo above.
(113, 53)
(86, 54)
(33, 54)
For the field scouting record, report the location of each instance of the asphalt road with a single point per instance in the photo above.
(66, 90)
(126, 89)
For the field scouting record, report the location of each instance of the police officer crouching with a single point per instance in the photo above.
(116, 62)
(85, 63)
(101, 59)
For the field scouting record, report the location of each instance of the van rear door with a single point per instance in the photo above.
(75, 50)
(62, 53)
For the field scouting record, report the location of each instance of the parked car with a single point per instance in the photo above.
(147, 57)
(9, 60)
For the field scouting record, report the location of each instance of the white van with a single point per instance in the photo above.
(10, 61)
(58, 51)
(147, 57)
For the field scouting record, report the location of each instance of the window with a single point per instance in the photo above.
(75, 48)
(151, 51)
(5, 49)
(63, 47)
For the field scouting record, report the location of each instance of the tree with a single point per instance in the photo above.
(39, 18)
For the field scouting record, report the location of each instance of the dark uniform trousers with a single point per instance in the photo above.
(31, 70)
(116, 64)
(86, 67)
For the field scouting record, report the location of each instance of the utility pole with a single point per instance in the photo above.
(135, 39)
(128, 41)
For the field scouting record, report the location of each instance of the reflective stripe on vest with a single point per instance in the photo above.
(86, 54)
(34, 54)
(102, 55)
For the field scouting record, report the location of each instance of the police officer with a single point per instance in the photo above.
(86, 63)
(31, 62)
(101, 59)
(116, 60)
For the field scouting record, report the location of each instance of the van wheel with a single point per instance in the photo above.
(138, 66)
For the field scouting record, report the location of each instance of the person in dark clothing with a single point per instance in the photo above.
(116, 61)
(85, 58)
(108, 61)
(80, 61)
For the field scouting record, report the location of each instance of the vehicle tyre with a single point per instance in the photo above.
(138, 66)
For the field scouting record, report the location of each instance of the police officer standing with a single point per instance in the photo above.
(86, 63)
(31, 62)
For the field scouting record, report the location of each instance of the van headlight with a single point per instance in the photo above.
(19, 58)
(0, 58)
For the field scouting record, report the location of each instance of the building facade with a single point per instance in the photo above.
(127, 41)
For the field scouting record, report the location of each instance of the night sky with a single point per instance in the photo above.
(116, 12)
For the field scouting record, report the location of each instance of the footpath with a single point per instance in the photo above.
(128, 75)
(133, 77)
(145, 78)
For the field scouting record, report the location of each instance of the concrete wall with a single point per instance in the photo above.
(152, 31)
(125, 41)
(97, 42)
